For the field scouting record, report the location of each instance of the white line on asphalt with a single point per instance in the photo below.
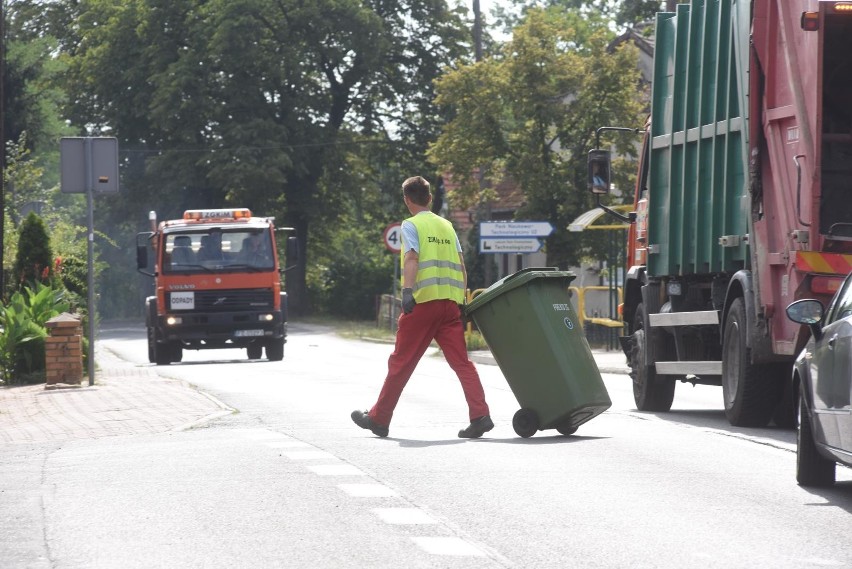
(404, 516)
(368, 490)
(287, 444)
(335, 470)
(448, 546)
(260, 435)
(307, 454)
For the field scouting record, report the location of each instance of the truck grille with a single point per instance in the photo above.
(231, 300)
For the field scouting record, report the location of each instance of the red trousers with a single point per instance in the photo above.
(439, 320)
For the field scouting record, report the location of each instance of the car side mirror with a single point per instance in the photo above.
(599, 163)
(807, 311)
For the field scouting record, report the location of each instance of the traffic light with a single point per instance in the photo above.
(438, 198)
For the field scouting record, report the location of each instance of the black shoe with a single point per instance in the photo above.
(477, 428)
(363, 420)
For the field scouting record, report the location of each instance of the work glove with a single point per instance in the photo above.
(408, 300)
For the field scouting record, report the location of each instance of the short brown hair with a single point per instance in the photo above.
(417, 190)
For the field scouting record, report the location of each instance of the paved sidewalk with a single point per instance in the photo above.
(126, 399)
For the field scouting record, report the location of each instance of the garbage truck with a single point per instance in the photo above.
(217, 282)
(743, 199)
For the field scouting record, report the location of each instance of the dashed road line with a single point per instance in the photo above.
(368, 490)
(308, 454)
(288, 444)
(433, 545)
(404, 516)
(448, 546)
(335, 470)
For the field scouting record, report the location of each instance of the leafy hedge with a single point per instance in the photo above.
(23, 332)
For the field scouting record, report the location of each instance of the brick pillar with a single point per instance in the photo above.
(63, 350)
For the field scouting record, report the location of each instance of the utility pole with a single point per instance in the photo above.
(477, 31)
(477, 54)
(2, 140)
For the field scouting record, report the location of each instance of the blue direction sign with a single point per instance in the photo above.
(509, 245)
(515, 229)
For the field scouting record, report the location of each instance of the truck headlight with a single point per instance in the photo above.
(173, 320)
(265, 317)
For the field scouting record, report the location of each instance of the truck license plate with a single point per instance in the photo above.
(183, 301)
(244, 333)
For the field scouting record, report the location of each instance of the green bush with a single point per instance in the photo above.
(23, 331)
(355, 270)
(474, 341)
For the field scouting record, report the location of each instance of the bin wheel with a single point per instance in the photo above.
(525, 423)
(566, 429)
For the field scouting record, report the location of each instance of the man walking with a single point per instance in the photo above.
(434, 282)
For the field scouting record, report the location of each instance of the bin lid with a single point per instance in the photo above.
(516, 280)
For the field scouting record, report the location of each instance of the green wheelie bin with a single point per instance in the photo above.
(535, 337)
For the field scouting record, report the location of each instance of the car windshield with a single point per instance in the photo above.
(217, 250)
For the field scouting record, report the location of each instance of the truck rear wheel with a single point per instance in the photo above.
(650, 393)
(275, 350)
(751, 391)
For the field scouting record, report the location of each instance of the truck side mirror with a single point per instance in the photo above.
(143, 242)
(292, 253)
(599, 171)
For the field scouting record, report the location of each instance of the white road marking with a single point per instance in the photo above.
(448, 546)
(335, 470)
(287, 444)
(368, 490)
(404, 516)
(307, 454)
(260, 435)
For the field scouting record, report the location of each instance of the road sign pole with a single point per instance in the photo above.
(393, 298)
(91, 256)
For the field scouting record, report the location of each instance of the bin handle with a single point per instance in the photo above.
(528, 269)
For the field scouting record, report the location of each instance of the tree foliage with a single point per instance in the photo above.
(530, 114)
(257, 102)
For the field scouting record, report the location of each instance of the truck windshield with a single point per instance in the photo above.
(217, 250)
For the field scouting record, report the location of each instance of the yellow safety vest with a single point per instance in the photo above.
(439, 274)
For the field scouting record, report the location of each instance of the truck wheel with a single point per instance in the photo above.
(751, 391)
(162, 354)
(176, 352)
(784, 415)
(152, 345)
(275, 350)
(254, 350)
(650, 393)
(812, 469)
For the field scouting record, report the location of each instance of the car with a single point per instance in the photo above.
(822, 382)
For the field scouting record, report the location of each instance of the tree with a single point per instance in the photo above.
(34, 262)
(530, 113)
(258, 102)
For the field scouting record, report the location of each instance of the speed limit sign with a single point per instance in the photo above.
(392, 237)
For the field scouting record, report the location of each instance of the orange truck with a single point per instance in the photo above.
(218, 284)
